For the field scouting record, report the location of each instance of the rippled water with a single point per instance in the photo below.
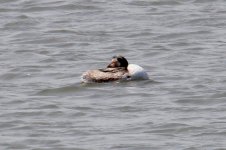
(45, 45)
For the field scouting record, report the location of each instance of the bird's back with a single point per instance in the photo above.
(104, 75)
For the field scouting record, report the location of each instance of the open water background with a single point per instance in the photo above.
(45, 45)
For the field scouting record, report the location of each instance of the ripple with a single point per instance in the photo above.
(59, 7)
(154, 3)
(129, 109)
(22, 22)
(219, 95)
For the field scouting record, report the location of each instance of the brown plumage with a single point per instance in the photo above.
(116, 70)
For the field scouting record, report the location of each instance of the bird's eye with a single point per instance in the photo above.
(119, 59)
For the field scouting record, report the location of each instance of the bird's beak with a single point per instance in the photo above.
(114, 63)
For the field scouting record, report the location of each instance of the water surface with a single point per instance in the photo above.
(46, 45)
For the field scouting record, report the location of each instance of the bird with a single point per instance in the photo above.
(118, 69)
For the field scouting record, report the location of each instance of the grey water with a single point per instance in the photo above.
(45, 46)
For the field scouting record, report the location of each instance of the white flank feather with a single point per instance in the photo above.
(136, 72)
